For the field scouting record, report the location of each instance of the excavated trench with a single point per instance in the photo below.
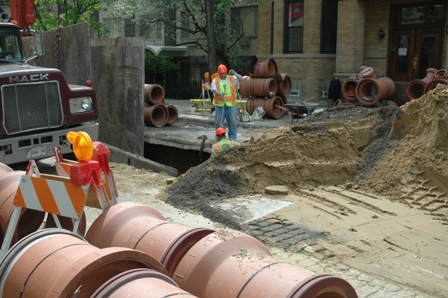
(180, 159)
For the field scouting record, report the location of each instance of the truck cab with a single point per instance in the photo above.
(38, 107)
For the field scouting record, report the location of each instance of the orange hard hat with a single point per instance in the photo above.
(222, 68)
(220, 131)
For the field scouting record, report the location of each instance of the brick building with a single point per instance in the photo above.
(315, 41)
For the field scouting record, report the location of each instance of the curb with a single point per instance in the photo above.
(121, 156)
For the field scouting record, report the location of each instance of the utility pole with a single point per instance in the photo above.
(210, 36)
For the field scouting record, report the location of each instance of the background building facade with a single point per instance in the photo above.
(313, 41)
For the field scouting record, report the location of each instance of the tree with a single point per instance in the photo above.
(70, 12)
(156, 65)
(203, 19)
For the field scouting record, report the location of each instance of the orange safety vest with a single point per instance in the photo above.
(220, 101)
(224, 145)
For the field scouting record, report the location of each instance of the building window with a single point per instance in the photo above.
(159, 30)
(114, 26)
(422, 14)
(169, 29)
(95, 15)
(294, 14)
(296, 90)
(129, 28)
(185, 25)
(245, 20)
(328, 33)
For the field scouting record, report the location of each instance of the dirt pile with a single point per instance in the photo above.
(417, 142)
(371, 149)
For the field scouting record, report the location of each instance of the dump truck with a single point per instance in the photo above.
(38, 107)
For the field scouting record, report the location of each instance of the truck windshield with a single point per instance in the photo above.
(10, 46)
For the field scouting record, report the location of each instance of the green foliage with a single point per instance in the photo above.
(225, 4)
(159, 64)
(156, 67)
(186, 16)
(69, 12)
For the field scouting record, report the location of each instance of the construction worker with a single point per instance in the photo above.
(224, 90)
(223, 143)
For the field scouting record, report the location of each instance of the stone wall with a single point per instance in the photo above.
(67, 50)
(118, 75)
(116, 68)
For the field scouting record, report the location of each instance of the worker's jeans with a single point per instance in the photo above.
(228, 114)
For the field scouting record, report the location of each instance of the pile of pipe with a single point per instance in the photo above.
(267, 88)
(419, 87)
(156, 112)
(368, 90)
(131, 250)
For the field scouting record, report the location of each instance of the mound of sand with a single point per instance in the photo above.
(372, 149)
(417, 142)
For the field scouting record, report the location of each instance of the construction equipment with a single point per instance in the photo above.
(299, 110)
(38, 107)
(197, 104)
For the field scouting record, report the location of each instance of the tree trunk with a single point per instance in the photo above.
(211, 39)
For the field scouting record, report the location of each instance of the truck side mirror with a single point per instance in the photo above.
(38, 44)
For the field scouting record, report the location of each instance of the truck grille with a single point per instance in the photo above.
(33, 106)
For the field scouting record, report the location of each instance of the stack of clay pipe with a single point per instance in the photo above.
(131, 250)
(209, 263)
(367, 90)
(419, 87)
(266, 88)
(156, 112)
(57, 263)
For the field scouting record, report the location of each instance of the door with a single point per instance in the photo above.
(416, 38)
(412, 51)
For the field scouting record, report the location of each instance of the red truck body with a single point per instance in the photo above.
(38, 107)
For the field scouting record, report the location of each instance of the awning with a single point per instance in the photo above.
(173, 51)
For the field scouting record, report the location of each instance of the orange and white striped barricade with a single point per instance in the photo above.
(56, 195)
(101, 155)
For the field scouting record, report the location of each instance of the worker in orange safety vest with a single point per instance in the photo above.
(223, 143)
(224, 90)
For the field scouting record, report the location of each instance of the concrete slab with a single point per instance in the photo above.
(187, 131)
(252, 207)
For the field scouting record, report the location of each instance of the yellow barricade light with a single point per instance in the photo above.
(82, 145)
